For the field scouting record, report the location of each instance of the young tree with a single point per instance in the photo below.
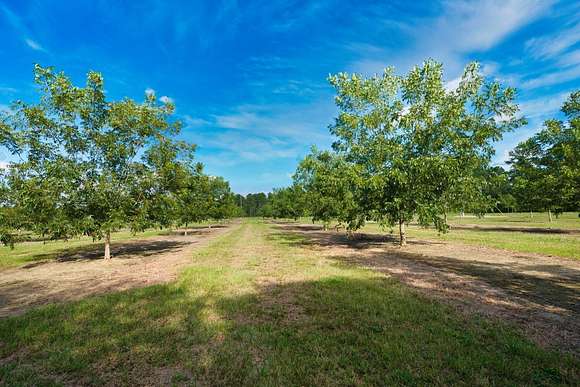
(415, 143)
(546, 167)
(328, 183)
(288, 202)
(90, 166)
(223, 204)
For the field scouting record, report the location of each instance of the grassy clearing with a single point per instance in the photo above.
(567, 220)
(562, 245)
(36, 251)
(258, 308)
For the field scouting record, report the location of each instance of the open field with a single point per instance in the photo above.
(514, 232)
(81, 271)
(34, 252)
(557, 244)
(283, 304)
(566, 220)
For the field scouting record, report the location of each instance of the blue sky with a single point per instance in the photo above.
(249, 77)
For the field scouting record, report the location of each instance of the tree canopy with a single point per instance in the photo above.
(545, 169)
(89, 166)
(414, 145)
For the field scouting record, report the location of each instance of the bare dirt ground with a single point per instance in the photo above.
(81, 273)
(539, 294)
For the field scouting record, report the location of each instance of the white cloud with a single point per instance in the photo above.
(194, 122)
(304, 122)
(463, 27)
(569, 59)
(554, 78)
(7, 90)
(544, 107)
(550, 46)
(33, 44)
(452, 84)
(149, 91)
(477, 26)
(166, 99)
(4, 165)
(239, 120)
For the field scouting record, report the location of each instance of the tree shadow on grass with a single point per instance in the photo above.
(334, 331)
(531, 230)
(544, 295)
(317, 236)
(119, 250)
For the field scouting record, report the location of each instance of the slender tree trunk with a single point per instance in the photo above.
(108, 245)
(531, 214)
(550, 215)
(324, 226)
(402, 233)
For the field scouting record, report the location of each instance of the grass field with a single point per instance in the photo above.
(258, 308)
(37, 251)
(504, 232)
(562, 245)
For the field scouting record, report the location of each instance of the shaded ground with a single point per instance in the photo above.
(539, 294)
(530, 229)
(81, 272)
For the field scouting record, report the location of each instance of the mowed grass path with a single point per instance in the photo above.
(258, 308)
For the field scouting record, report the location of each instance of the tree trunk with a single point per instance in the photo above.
(531, 215)
(550, 215)
(108, 245)
(324, 226)
(402, 233)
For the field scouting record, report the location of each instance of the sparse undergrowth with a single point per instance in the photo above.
(255, 308)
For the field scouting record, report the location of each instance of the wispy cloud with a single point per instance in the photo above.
(462, 28)
(21, 28)
(304, 122)
(553, 78)
(33, 44)
(549, 46)
(544, 107)
(193, 122)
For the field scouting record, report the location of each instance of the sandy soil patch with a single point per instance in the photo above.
(82, 273)
(539, 294)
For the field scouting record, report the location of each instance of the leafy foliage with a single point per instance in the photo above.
(90, 166)
(545, 169)
(415, 147)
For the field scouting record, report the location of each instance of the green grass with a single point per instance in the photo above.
(561, 245)
(257, 307)
(36, 251)
(567, 220)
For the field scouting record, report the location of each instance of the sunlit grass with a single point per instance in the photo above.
(36, 251)
(257, 307)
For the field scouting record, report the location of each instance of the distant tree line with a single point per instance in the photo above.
(87, 166)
